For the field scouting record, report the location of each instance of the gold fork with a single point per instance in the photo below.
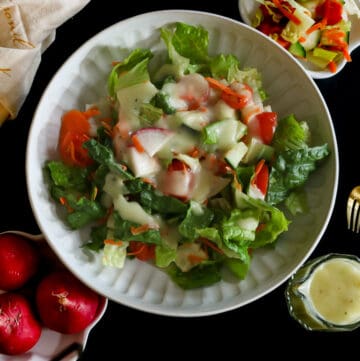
(353, 210)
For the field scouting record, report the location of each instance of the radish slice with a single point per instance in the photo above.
(178, 183)
(153, 139)
(140, 163)
(207, 185)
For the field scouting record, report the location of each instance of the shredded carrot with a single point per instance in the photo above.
(319, 25)
(113, 242)
(230, 96)
(335, 37)
(107, 215)
(237, 184)
(302, 39)
(332, 66)
(346, 54)
(91, 112)
(149, 181)
(211, 245)
(194, 152)
(106, 123)
(260, 227)
(288, 14)
(107, 120)
(65, 203)
(138, 230)
(216, 84)
(74, 131)
(195, 259)
(137, 144)
(138, 251)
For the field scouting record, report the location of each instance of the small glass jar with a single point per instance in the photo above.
(324, 294)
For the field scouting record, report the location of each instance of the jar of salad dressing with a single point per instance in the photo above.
(324, 294)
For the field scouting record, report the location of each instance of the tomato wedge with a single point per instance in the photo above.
(261, 176)
(267, 125)
(330, 11)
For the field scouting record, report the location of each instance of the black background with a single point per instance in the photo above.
(263, 327)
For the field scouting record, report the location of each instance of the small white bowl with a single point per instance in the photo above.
(248, 8)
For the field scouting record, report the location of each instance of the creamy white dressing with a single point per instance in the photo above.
(197, 106)
(130, 211)
(334, 291)
(131, 98)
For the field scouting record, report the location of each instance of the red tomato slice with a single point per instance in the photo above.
(268, 27)
(261, 177)
(331, 11)
(267, 124)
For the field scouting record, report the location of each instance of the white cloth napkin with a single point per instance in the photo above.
(27, 28)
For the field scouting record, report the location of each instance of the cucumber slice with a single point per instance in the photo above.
(257, 151)
(297, 50)
(236, 154)
(321, 57)
(224, 134)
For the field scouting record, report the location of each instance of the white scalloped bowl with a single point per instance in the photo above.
(81, 80)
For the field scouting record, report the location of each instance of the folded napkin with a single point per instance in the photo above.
(27, 29)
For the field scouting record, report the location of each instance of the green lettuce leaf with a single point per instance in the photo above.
(164, 255)
(200, 276)
(130, 71)
(224, 67)
(291, 170)
(290, 134)
(191, 42)
(238, 267)
(155, 201)
(104, 155)
(122, 230)
(70, 186)
(197, 217)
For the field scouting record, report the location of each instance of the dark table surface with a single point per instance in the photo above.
(263, 326)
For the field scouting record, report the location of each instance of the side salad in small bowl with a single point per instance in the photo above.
(183, 166)
(321, 34)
